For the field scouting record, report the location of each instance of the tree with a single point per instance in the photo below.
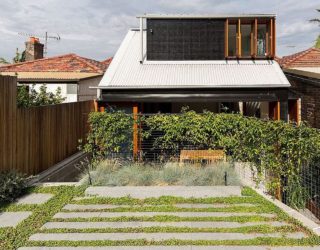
(20, 57)
(29, 98)
(316, 20)
(3, 61)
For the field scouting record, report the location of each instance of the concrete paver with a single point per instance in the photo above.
(69, 215)
(156, 236)
(12, 219)
(156, 191)
(34, 199)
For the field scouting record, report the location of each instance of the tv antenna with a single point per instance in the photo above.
(46, 37)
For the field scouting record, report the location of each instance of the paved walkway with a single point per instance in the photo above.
(93, 222)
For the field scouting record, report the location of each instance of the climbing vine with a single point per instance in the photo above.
(277, 148)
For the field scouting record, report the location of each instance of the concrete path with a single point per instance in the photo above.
(157, 236)
(72, 215)
(155, 191)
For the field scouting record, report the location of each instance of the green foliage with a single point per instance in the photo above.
(20, 57)
(275, 147)
(12, 185)
(317, 21)
(3, 61)
(110, 133)
(30, 98)
(317, 45)
(110, 173)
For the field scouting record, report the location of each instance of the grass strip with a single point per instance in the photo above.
(261, 241)
(170, 208)
(171, 229)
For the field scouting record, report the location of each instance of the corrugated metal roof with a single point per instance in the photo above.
(50, 76)
(126, 71)
(206, 16)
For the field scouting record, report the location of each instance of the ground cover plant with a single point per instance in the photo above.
(115, 173)
(13, 238)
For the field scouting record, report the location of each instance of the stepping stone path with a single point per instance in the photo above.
(71, 223)
(12, 219)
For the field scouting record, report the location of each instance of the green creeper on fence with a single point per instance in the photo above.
(280, 149)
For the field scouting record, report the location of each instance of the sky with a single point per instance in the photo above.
(95, 28)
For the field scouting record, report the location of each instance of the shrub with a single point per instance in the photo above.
(12, 185)
(110, 133)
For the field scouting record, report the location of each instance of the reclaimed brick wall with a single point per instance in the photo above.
(310, 98)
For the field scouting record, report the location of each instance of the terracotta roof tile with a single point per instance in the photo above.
(306, 58)
(63, 63)
(107, 62)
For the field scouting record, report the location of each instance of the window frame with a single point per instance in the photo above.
(270, 38)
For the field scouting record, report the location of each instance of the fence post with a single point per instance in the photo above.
(135, 132)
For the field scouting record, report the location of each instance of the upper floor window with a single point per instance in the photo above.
(250, 38)
(232, 40)
(261, 40)
(245, 40)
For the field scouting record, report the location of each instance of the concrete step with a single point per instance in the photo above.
(158, 191)
(157, 236)
(70, 215)
(141, 224)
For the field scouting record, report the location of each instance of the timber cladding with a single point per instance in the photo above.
(185, 39)
(34, 139)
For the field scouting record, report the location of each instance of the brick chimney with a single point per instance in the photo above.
(34, 49)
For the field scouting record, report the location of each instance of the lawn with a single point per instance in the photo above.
(13, 238)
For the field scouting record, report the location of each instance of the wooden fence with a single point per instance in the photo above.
(34, 139)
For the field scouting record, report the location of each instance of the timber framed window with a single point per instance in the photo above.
(253, 38)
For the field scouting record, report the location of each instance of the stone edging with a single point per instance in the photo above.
(306, 222)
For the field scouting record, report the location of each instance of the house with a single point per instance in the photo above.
(72, 73)
(213, 62)
(303, 71)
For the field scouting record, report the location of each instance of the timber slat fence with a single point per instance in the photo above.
(34, 139)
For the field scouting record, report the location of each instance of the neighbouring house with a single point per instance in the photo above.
(303, 71)
(214, 62)
(72, 73)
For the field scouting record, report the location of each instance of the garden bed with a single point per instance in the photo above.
(114, 173)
